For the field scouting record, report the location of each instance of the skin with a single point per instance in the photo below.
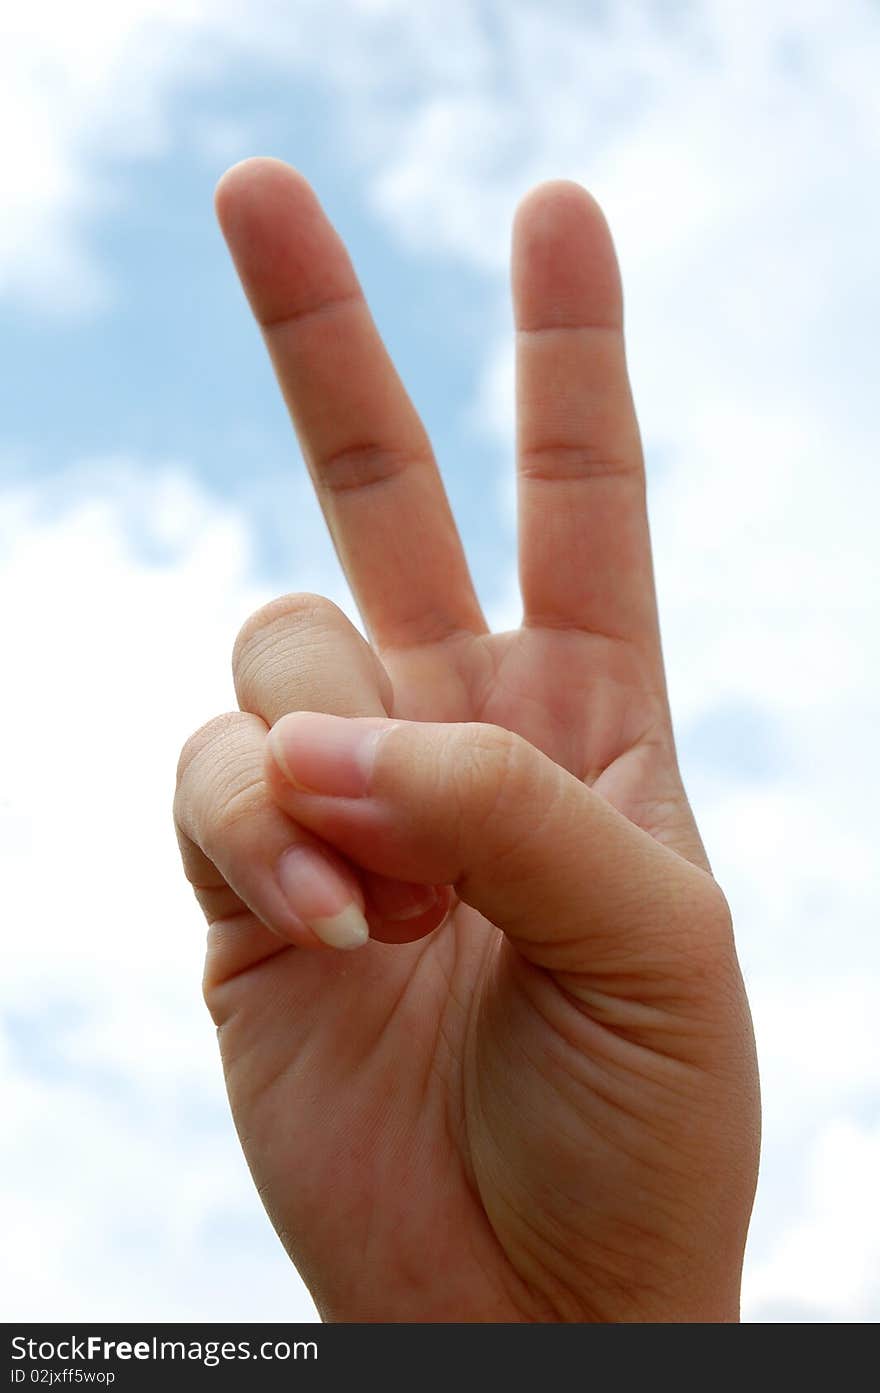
(544, 1106)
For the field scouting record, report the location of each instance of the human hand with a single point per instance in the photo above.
(547, 1108)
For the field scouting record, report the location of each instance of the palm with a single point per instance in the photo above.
(400, 1077)
(585, 700)
(386, 1103)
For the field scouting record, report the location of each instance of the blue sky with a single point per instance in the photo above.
(152, 496)
(172, 367)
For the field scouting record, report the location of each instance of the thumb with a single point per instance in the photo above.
(576, 886)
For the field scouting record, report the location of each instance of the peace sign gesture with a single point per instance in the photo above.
(531, 1094)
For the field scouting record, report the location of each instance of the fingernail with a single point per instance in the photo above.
(320, 895)
(398, 900)
(318, 753)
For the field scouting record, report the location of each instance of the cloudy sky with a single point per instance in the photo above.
(151, 496)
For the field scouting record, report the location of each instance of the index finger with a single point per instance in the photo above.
(366, 449)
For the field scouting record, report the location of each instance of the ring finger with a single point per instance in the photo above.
(301, 652)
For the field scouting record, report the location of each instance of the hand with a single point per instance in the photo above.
(545, 1109)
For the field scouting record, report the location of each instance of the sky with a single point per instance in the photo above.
(152, 496)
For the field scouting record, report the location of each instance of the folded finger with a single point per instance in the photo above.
(297, 886)
(300, 652)
(242, 852)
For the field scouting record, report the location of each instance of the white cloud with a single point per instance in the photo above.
(121, 1172)
(76, 83)
(92, 89)
(826, 1264)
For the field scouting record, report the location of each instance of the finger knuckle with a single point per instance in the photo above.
(237, 807)
(713, 913)
(212, 733)
(699, 933)
(298, 611)
(212, 776)
(367, 464)
(596, 458)
(488, 774)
